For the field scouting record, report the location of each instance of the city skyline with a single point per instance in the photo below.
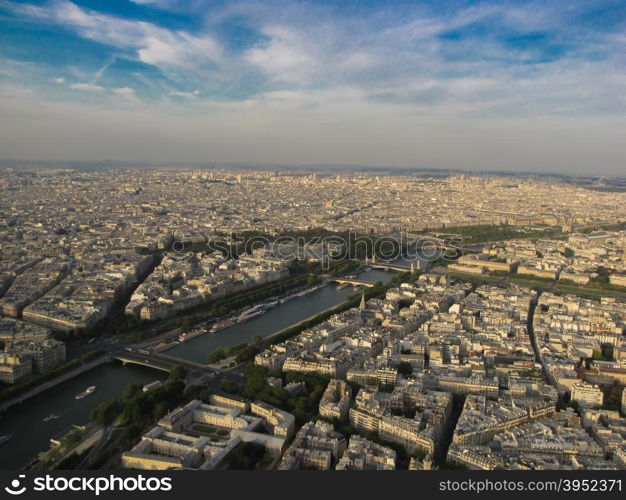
(506, 86)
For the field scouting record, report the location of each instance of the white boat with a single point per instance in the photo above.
(271, 305)
(164, 346)
(249, 315)
(151, 385)
(52, 416)
(86, 392)
(221, 326)
(193, 333)
(4, 439)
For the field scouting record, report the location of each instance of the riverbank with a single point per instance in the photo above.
(147, 330)
(172, 335)
(54, 382)
(290, 331)
(53, 412)
(313, 320)
(244, 352)
(283, 315)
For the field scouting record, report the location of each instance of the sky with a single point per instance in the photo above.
(490, 85)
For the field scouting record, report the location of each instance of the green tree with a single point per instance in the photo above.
(607, 351)
(131, 390)
(216, 355)
(405, 368)
(229, 386)
(177, 372)
(105, 412)
(160, 410)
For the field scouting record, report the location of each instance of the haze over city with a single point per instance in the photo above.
(508, 86)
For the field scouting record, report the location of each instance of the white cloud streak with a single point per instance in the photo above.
(153, 44)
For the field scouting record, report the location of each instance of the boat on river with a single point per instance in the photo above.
(5, 438)
(86, 392)
(193, 333)
(221, 326)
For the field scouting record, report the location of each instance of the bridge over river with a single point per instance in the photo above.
(163, 362)
(389, 267)
(351, 281)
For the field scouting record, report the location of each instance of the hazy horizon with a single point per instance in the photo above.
(524, 87)
(305, 168)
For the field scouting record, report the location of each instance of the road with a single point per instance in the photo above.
(530, 327)
(196, 372)
(99, 439)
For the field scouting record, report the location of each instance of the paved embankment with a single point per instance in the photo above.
(54, 382)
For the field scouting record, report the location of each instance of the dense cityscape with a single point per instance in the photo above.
(274, 240)
(290, 319)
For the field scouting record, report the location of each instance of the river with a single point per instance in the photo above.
(31, 434)
(278, 318)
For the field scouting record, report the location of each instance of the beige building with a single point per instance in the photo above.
(160, 449)
(534, 271)
(316, 446)
(14, 367)
(363, 454)
(617, 279)
(587, 395)
(283, 423)
(328, 367)
(364, 421)
(335, 402)
(465, 385)
(482, 261)
(196, 412)
(45, 354)
(405, 432)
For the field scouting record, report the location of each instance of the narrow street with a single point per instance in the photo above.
(443, 444)
(533, 338)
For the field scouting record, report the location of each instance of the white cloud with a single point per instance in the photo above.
(177, 49)
(184, 95)
(153, 44)
(403, 59)
(124, 91)
(287, 57)
(87, 87)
